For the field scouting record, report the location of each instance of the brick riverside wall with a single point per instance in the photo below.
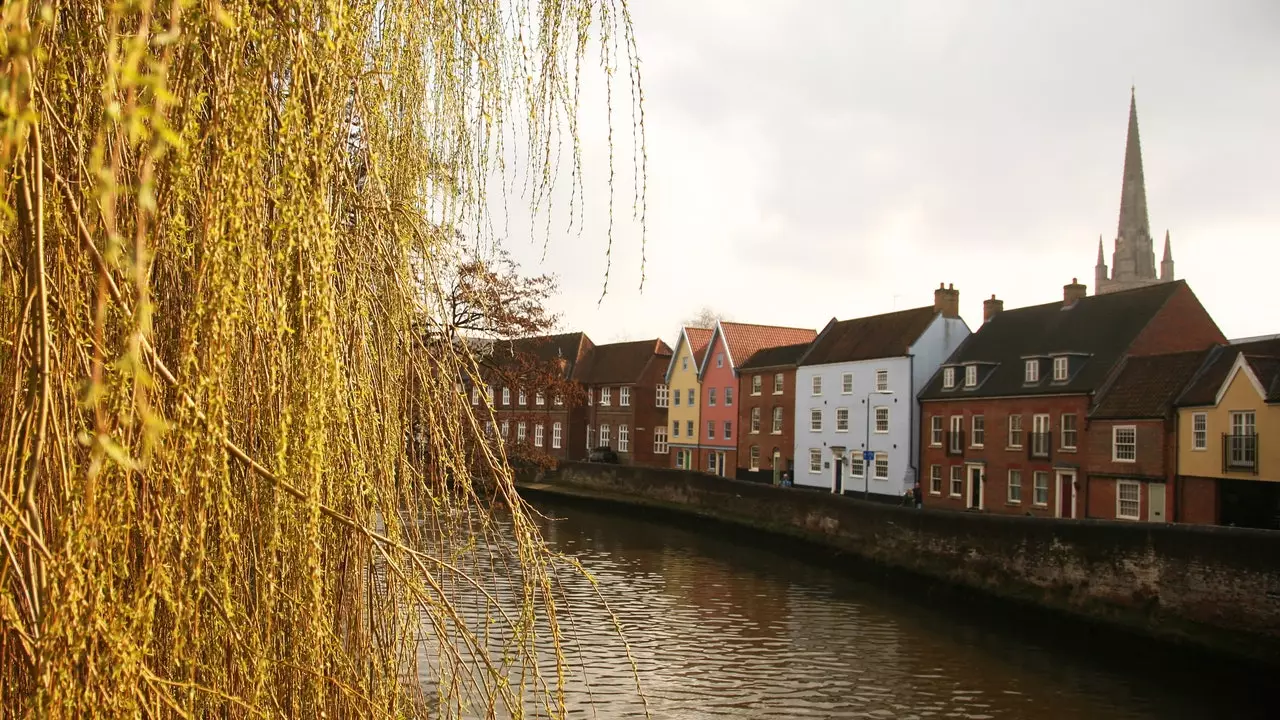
(1215, 587)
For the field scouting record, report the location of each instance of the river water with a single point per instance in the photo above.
(725, 624)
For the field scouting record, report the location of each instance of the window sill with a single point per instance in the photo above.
(1069, 449)
(1013, 503)
(936, 493)
(776, 432)
(935, 445)
(1044, 506)
(842, 431)
(1019, 448)
(1124, 462)
(879, 432)
(976, 447)
(1196, 449)
(954, 496)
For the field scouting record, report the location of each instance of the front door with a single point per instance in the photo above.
(1066, 494)
(837, 473)
(975, 495)
(1155, 502)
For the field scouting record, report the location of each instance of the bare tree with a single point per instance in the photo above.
(489, 298)
(706, 317)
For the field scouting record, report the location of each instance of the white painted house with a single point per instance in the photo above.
(856, 390)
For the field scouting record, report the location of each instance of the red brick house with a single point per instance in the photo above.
(533, 386)
(1130, 464)
(626, 400)
(1003, 421)
(766, 410)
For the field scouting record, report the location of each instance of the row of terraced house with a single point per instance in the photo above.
(1128, 405)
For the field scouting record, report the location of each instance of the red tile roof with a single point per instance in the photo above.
(878, 336)
(699, 340)
(745, 340)
(1147, 386)
(622, 363)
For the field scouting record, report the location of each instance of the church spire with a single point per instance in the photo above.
(1133, 225)
(1166, 265)
(1101, 262)
(1168, 248)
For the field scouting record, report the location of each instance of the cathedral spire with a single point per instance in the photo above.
(1168, 248)
(1133, 224)
(1166, 265)
(1101, 262)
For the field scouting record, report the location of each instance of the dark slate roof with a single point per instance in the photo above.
(622, 363)
(782, 356)
(1098, 329)
(878, 336)
(1204, 390)
(1146, 387)
(570, 347)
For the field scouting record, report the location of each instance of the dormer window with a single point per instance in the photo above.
(970, 375)
(1059, 369)
(1033, 371)
(948, 378)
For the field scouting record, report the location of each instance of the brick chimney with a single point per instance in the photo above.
(946, 300)
(1073, 292)
(991, 308)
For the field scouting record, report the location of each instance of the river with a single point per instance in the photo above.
(725, 624)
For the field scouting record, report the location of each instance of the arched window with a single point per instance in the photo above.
(755, 457)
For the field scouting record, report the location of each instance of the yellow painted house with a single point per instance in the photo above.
(686, 393)
(1229, 435)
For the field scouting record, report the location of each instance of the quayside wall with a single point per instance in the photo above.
(1213, 587)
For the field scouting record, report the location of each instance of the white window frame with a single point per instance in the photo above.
(537, 435)
(882, 381)
(711, 397)
(753, 458)
(880, 416)
(521, 431)
(948, 378)
(1134, 503)
(1012, 418)
(728, 397)
(757, 384)
(777, 384)
(935, 479)
(1060, 366)
(557, 435)
(684, 363)
(1036, 487)
(842, 419)
(660, 446)
(711, 429)
(661, 396)
(935, 431)
(719, 360)
(624, 396)
(846, 384)
(970, 376)
(675, 428)
(956, 443)
(522, 398)
(1040, 429)
(1062, 432)
(755, 421)
(815, 386)
(488, 427)
(815, 420)
(776, 419)
(815, 461)
(557, 399)
(675, 396)
(505, 428)
(1116, 430)
(689, 429)
(1031, 372)
(604, 436)
(489, 388)
(1015, 482)
(1199, 431)
(624, 438)
(606, 396)
(728, 429)
(976, 420)
(856, 466)
(711, 462)
(956, 488)
(881, 463)
(475, 394)
(539, 399)
(506, 396)
(691, 400)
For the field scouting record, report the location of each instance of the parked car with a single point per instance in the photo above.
(603, 455)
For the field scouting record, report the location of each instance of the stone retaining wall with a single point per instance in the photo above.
(1215, 587)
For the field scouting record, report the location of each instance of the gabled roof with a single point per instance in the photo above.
(1146, 387)
(781, 356)
(1262, 357)
(698, 340)
(1096, 329)
(622, 363)
(879, 336)
(744, 340)
(570, 347)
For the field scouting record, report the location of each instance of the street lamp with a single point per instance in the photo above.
(866, 446)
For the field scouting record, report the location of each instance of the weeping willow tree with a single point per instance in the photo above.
(219, 225)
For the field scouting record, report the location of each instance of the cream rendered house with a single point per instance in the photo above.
(683, 417)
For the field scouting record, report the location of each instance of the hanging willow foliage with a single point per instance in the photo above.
(220, 222)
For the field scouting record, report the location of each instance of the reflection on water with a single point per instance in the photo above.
(726, 628)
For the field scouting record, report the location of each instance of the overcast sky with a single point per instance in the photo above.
(818, 159)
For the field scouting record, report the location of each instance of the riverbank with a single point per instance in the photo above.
(1217, 589)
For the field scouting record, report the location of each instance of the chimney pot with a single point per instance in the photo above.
(1073, 292)
(946, 301)
(991, 308)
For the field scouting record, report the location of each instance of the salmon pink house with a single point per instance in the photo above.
(731, 345)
